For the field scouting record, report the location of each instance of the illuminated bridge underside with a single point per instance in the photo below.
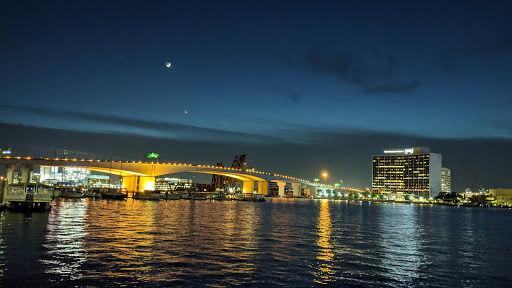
(144, 173)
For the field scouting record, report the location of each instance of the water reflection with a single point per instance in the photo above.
(240, 243)
(325, 253)
(120, 239)
(64, 239)
(400, 243)
(282, 242)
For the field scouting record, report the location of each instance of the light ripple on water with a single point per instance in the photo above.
(281, 242)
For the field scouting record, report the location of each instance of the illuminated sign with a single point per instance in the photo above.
(153, 155)
(405, 151)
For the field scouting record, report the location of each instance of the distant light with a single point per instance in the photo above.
(153, 155)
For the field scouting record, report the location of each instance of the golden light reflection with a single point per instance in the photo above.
(325, 253)
(125, 235)
(240, 243)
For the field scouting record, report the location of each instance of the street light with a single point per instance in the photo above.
(325, 177)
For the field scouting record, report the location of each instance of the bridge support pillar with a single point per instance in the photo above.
(312, 191)
(263, 187)
(130, 182)
(146, 183)
(25, 173)
(248, 186)
(281, 188)
(10, 174)
(296, 189)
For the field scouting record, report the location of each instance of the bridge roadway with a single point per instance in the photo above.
(141, 175)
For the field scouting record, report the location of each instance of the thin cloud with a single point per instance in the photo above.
(376, 78)
(468, 52)
(115, 125)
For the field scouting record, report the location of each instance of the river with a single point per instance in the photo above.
(282, 242)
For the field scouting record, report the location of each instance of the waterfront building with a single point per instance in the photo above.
(49, 174)
(411, 171)
(171, 184)
(70, 175)
(76, 176)
(446, 180)
(502, 196)
(98, 180)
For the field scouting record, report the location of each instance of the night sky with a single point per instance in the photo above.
(300, 86)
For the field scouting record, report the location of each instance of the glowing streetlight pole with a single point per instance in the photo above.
(325, 177)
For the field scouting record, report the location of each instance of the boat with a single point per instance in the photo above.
(249, 197)
(258, 197)
(113, 194)
(27, 196)
(147, 195)
(168, 195)
(71, 193)
(187, 195)
(197, 196)
(93, 192)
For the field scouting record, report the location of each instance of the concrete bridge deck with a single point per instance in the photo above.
(141, 175)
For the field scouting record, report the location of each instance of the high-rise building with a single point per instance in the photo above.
(413, 171)
(446, 180)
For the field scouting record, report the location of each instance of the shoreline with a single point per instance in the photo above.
(400, 202)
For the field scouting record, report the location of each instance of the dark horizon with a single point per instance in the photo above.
(470, 169)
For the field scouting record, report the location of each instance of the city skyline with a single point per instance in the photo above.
(300, 87)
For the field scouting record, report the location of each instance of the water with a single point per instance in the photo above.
(283, 242)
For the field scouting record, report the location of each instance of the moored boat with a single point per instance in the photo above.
(197, 196)
(27, 196)
(93, 192)
(113, 194)
(147, 195)
(249, 197)
(187, 195)
(71, 193)
(169, 195)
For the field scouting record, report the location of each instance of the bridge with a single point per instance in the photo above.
(141, 175)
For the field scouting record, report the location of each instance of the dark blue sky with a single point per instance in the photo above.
(270, 72)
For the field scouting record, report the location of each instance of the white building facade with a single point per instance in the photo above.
(446, 180)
